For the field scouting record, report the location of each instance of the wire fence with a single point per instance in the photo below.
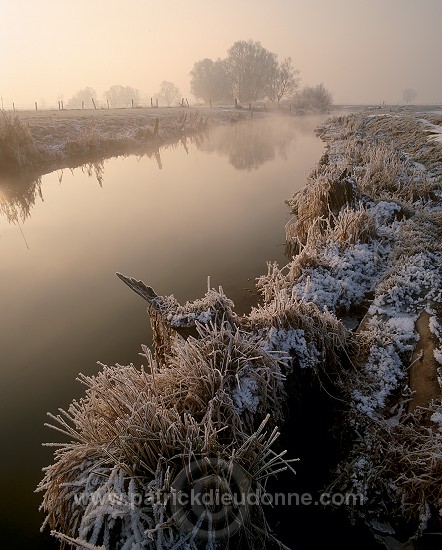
(8, 104)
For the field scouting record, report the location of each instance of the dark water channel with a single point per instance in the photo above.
(212, 207)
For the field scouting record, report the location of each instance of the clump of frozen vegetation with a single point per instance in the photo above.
(136, 430)
(366, 248)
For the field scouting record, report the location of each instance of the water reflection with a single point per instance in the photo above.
(247, 146)
(63, 309)
(17, 197)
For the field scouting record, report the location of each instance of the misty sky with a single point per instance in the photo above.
(363, 51)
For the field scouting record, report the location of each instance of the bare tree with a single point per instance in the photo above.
(409, 95)
(283, 81)
(169, 93)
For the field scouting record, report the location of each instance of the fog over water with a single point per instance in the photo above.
(213, 206)
(364, 52)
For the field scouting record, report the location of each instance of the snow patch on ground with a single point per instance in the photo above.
(436, 131)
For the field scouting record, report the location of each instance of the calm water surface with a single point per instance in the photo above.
(213, 207)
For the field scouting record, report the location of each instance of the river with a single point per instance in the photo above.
(211, 206)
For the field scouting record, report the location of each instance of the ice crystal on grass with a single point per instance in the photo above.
(136, 429)
(396, 458)
(365, 243)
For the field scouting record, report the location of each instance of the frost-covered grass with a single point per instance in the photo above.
(367, 241)
(219, 395)
(394, 456)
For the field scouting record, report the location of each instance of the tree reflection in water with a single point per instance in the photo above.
(249, 144)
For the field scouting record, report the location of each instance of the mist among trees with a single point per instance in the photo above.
(250, 72)
(169, 93)
(409, 95)
(313, 98)
(82, 97)
(122, 96)
(210, 81)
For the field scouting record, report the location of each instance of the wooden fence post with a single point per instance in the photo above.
(157, 102)
(132, 103)
(187, 101)
(236, 103)
(157, 125)
(36, 108)
(93, 102)
(62, 105)
(13, 106)
(107, 101)
(151, 101)
(82, 104)
(210, 101)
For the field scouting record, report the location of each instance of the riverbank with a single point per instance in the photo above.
(349, 312)
(141, 220)
(367, 237)
(44, 141)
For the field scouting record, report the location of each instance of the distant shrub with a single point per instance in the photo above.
(313, 98)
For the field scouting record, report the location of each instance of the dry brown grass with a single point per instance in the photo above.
(17, 145)
(320, 201)
(408, 134)
(136, 429)
(322, 330)
(55, 140)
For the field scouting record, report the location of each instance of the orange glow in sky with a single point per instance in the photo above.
(363, 51)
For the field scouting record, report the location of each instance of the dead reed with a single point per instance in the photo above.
(17, 145)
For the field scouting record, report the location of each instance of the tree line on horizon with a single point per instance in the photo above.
(123, 96)
(249, 73)
(252, 73)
